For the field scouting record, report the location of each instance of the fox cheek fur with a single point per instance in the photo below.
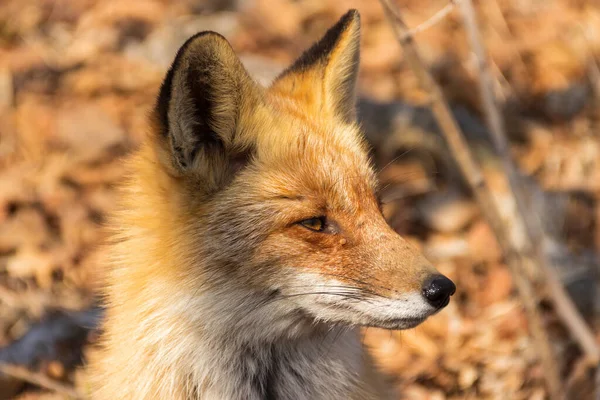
(249, 230)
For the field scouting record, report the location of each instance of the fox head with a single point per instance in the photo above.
(268, 198)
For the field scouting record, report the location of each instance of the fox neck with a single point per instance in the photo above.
(232, 345)
(288, 368)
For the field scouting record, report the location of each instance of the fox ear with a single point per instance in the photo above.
(201, 102)
(324, 77)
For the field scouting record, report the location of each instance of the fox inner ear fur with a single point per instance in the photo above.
(324, 77)
(202, 99)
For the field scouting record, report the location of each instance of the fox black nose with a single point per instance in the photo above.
(437, 290)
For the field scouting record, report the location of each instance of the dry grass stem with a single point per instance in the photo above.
(433, 20)
(474, 177)
(564, 305)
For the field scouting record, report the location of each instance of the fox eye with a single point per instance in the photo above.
(316, 224)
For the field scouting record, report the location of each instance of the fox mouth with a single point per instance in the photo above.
(350, 314)
(394, 323)
(391, 323)
(404, 322)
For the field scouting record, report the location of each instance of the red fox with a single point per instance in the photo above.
(250, 247)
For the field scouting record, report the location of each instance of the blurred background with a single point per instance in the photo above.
(77, 78)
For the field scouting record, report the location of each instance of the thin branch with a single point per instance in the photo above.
(496, 123)
(592, 66)
(564, 306)
(518, 64)
(474, 177)
(503, 84)
(433, 20)
(39, 379)
(594, 75)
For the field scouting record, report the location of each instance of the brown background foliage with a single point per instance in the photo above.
(77, 78)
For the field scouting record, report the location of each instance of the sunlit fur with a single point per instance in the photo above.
(214, 290)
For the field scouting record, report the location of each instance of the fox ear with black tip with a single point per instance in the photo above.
(324, 77)
(200, 107)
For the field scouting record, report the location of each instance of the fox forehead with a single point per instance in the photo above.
(283, 126)
(298, 154)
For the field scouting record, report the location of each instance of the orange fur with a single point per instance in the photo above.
(217, 288)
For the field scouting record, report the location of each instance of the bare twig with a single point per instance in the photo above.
(502, 83)
(594, 75)
(518, 64)
(592, 66)
(39, 379)
(433, 20)
(567, 311)
(474, 177)
(563, 303)
(496, 123)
